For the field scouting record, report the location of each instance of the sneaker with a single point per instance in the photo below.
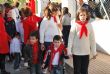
(44, 71)
(26, 64)
(22, 59)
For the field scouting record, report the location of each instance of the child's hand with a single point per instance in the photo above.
(43, 65)
(42, 47)
(94, 57)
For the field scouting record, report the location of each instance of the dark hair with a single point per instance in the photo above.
(34, 34)
(65, 10)
(57, 37)
(82, 9)
(27, 12)
(16, 34)
(17, 4)
(6, 5)
(48, 12)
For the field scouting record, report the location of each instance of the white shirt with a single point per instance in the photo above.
(66, 20)
(15, 46)
(48, 29)
(82, 46)
(56, 59)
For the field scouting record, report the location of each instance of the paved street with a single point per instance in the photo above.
(101, 65)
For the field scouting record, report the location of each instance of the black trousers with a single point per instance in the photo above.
(80, 64)
(2, 62)
(65, 31)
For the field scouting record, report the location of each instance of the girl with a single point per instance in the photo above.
(66, 22)
(48, 29)
(10, 24)
(81, 42)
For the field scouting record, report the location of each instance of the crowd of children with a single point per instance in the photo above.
(44, 42)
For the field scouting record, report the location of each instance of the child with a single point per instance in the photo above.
(10, 24)
(54, 56)
(81, 42)
(4, 49)
(15, 50)
(32, 53)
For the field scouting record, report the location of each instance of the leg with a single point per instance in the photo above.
(84, 64)
(76, 64)
(32, 69)
(38, 68)
(17, 60)
(2, 64)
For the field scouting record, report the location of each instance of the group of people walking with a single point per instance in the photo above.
(44, 42)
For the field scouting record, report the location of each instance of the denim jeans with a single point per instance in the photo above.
(16, 60)
(57, 70)
(35, 69)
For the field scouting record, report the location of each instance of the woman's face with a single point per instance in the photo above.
(82, 16)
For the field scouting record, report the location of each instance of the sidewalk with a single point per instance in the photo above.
(101, 65)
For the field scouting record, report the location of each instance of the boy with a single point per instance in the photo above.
(54, 56)
(32, 53)
(15, 50)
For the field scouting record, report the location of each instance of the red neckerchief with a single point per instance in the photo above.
(83, 28)
(35, 53)
(9, 19)
(55, 20)
(53, 52)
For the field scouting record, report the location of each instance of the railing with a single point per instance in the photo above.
(105, 8)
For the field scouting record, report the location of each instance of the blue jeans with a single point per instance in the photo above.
(57, 69)
(16, 60)
(35, 69)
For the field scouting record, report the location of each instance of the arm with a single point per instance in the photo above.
(92, 42)
(43, 28)
(46, 58)
(71, 39)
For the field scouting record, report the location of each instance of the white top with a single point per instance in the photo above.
(48, 29)
(56, 59)
(82, 46)
(15, 46)
(66, 20)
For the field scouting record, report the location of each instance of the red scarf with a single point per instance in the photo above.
(55, 19)
(9, 19)
(53, 52)
(83, 28)
(35, 53)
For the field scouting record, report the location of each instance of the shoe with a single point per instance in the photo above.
(44, 71)
(26, 64)
(22, 59)
(5, 72)
(17, 69)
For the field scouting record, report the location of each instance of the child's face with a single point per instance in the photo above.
(33, 40)
(56, 43)
(9, 14)
(82, 16)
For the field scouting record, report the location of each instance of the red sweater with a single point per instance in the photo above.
(29, 25)
(4, 38)
(35, 53)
